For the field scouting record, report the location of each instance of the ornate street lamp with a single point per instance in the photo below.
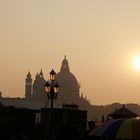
(52, 90)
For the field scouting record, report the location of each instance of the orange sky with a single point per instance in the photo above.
(100, 38)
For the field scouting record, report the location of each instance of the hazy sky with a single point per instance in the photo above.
(101, 39)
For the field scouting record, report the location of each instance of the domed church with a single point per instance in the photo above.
(69, 86)
(69, 90)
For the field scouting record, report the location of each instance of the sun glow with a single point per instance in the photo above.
(137, 63)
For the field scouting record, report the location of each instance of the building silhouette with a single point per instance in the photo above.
(35, 97)
(69, 91)
(69, 88)
(36, 89)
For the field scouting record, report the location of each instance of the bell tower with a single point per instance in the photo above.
(28, 86)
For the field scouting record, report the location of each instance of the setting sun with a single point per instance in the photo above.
(137, 62)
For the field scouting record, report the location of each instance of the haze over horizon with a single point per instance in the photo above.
(100, 38)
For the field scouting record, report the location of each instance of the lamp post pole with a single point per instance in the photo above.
(51, 115)
(51, 88)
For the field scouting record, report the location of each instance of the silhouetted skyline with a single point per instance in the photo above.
(100, 39)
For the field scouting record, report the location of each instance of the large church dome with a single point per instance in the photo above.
(69, 88)
(67, 81)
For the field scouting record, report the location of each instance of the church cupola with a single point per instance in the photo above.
(28, 85)
(65, 65)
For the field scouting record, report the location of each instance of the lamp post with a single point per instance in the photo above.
(51, 88)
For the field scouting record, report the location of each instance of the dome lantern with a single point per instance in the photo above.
(65, 65)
